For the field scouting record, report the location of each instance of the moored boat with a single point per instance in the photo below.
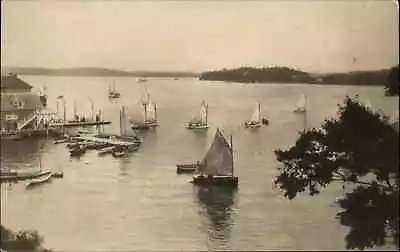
(256, 121)
(150, 110)
(39, 180)
(78, 151)
(186, 168)
(200, 121)
(216, 168)
(112, 93)
(301, 105)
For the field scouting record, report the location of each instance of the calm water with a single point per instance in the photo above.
(140, 203)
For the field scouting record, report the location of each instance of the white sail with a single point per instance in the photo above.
(219, 158)
(301, 104)
(125, 129)
(202, 116)
(256, 115)
(151, 111)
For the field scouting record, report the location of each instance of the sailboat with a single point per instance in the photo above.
(256, 121)
(216, 168)
(141, 79)
(150, 114)
(42, 179)
(112, 93)
(301, 105)
(200, 121)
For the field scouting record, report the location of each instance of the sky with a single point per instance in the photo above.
(165, 35)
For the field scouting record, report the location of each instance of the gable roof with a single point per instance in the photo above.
(12, 82)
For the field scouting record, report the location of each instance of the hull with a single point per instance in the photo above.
(299, 110)
(216, 180)
(197, 127)
(23, 176)
(58, 175)
(253, 125)
(186, 168)
(39, 181)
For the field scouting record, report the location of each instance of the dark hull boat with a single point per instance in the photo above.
(78, 151)
(215, 180)
(216, 168)
(186, 168)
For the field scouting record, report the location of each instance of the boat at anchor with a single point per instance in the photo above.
(216, 168)
(200, 121)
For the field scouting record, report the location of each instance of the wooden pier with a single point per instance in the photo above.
(77, 124)
(95, 139)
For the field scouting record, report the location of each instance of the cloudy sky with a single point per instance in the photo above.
(321, 36)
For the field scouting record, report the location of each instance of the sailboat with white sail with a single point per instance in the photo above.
(216, 168)
(112, 92)
(200, 121)
(256, 121)
(150, 110)
(301, 105)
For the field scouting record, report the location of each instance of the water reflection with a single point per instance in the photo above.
(24, 151)
(217, 204)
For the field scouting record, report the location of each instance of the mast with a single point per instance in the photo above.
(120, 122)
(91, 108)
(75, 109)
(57, 109)
(155, 112)
(232, 155)
(259, 111)
(206, 114)
(65, 110)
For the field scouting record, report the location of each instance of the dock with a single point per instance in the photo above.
(77, 124)
(95, 139)
(16, 176)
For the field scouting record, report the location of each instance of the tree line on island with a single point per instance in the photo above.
(290, 75)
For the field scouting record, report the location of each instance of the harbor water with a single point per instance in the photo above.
(139, 203)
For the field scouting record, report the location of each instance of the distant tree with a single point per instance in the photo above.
(359, 149)
(392, 84)
(24, 240)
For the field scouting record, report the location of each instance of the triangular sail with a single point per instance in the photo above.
(301, 104)
(151, 111)
(202, 116)
(219, 158)
(256, 115)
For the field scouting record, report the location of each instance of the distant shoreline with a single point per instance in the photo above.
(246, 75)
(93, 72)
(287, 75)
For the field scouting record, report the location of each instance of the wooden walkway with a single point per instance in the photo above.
(104, 140)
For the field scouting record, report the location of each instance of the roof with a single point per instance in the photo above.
(19, 101)
(12, 82)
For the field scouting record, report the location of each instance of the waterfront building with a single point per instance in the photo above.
(19, 105)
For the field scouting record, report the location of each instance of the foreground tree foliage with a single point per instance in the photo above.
(21, 241)
(360, 149)
(392, 84)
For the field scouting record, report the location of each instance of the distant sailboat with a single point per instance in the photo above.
(150, 114)
(200, 121)
(301, 105)
(112, 93)
(142, 79)
(255, 121)
(216, 168)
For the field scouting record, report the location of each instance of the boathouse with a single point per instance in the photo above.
(19, 104)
